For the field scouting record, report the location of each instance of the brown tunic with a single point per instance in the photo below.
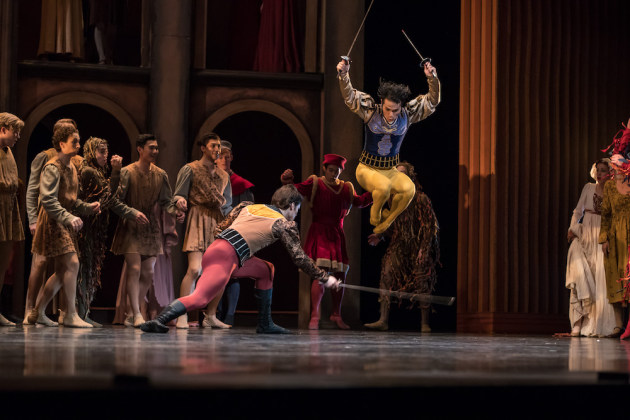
(10, 223)
(59, 189)
(141, 191)
(204, 193)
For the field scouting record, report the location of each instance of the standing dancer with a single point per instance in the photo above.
(386, 126)
(142, 187)
(200, 193)
(409, 264)
(56, 233)
(95, 187)
(10, 224)
(330, 199)
(39, 262)
(247, 229)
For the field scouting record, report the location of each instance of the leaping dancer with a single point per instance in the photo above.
(386, 125)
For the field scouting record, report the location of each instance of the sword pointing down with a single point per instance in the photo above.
(418, 297)
(424, 60)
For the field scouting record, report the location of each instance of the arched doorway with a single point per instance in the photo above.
(263, 147)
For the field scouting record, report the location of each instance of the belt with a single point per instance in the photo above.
(379, 162)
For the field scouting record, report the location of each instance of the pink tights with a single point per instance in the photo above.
(220, 263)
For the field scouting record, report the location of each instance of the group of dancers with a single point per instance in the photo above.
(69, 199)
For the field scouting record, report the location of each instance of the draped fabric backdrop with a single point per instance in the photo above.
(543, 87)
(278, 38)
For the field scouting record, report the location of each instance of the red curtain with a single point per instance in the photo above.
(278, 38)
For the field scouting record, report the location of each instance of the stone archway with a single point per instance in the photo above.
(271, 108)
(70, 98)
(306, 148)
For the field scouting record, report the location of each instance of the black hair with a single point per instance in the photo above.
(395, 92)
(205, 138)
(144, 138)
(285, 195)
(61, 133)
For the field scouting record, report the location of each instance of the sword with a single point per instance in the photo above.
(346, 57)
(424, 60)
(419, 297)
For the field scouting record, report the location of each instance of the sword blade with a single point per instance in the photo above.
(412, 46)
(360, 27)
(419, 297)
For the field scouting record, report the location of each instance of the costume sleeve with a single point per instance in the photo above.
(424, 105)
(227, 194)
(49, 188)
(604, 232)
(290, 237)
(306, 187)
(182, 186)
(362, 200)
(166, 196)
(225, 223)
(578, 212)
(118, 205)
(359, 102)
(114, 181)
(82, 208)
(32, 190)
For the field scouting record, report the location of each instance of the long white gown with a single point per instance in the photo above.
(586, 276)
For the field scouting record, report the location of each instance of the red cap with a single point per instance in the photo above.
(332, 159)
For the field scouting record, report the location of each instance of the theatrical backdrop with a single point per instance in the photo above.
(531, 93)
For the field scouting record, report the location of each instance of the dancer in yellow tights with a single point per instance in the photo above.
(386, 125)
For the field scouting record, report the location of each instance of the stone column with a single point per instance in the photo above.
(343, 130)
(170, 73)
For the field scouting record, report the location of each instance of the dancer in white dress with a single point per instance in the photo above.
(590, 312)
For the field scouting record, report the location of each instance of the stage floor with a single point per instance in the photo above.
(40, 359)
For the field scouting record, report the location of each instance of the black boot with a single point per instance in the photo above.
(265, 324)
(172, 311)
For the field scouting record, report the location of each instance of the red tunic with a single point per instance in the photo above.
(326, 242)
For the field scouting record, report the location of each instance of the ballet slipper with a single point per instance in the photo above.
(5, 322)
(339, 322)
(37, 317)
(378, 325)
(73, 320)
(138, 320)
(128, 322)
(313, 324)
(93, 323)
(182, 322)
(213, 322)
(62, 317)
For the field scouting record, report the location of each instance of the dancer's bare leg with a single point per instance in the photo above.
(134, 265)
(35, 283)
(425, 327)
(67, 266)
(146, 280)
(188, 282)
(211, 320)
(5, 253)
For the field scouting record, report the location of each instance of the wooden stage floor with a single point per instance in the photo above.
(239, 372)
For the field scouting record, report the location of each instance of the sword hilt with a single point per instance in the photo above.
(425, 61)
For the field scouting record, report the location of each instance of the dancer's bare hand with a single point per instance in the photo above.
(429, 69)
(287, 177)
(32, 228)
(76, 224)
(116, 162)
(570, 236)
(141, 219)
(181, 216)
(605, 248)
(182, 204)
(343, 67)
(374, 239)
(95, 207)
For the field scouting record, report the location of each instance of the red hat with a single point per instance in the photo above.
(332, 159)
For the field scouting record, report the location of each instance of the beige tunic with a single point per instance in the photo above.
(205, 196)
(141, 192)
(10, 223)
(59, 186)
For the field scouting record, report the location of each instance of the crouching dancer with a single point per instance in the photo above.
(246, 230)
